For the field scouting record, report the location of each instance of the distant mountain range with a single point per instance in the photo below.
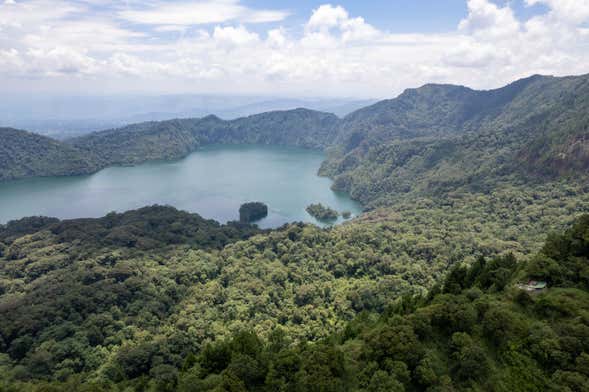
(434, 138)
(64, 117)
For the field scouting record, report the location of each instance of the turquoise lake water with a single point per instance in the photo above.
(213, 182)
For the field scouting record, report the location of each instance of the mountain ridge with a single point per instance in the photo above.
(526, 125)
(458, 137)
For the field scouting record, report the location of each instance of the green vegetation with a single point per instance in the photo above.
(434, 139)
(177, 138)
(117, 323)
(439, 139)
(24, 154)
(321, 212)
(251, 212)
(465, 191)
(30, 155)
(346, 214)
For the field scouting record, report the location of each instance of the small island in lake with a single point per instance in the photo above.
(346, 215)
(251, 212)
(321, 212)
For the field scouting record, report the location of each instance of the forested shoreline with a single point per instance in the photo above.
(432, 139)
(468, 195)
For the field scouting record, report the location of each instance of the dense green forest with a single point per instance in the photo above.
(176, 138)
(25, 154)
(440, 138)
(464, 192)
(79, 319)
(253, 211)
(29, 155)
(109, 300)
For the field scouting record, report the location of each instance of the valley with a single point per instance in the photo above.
(464, 195)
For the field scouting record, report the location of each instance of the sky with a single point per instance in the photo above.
(293, 48)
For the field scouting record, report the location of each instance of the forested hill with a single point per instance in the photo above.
(176, 138)
(439, 138)
(25, 154)
(431, 139)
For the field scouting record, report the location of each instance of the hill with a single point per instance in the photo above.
(440, 138)
(477, 330)
(428, 140)
(139, 143)
(176, 138)
(24, 154)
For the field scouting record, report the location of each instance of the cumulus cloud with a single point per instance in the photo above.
(489, 21)
(574, 11)
(327, 18)
(234, 36)
(211, 46)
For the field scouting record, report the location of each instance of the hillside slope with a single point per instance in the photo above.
(25, 154)
(440, 138)
(176, 138)
(431, 139)
(476, 331)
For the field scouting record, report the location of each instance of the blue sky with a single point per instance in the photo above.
(391, 15)
(400, 16)
(397, 16)
(363, 49)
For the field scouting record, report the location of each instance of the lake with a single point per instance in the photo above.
(213, 182)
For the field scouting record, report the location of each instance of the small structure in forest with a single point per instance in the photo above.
(533, 285)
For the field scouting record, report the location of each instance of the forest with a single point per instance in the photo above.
(468, 196)
(118, 326)
(24, 154)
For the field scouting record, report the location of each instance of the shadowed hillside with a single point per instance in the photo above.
(25, 154)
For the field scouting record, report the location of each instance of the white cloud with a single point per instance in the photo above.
(473, 54)
(327, 18)
(202, 12)
(234, 36)
(60, 61)
(25, 14)
(333, 53)
(489, 21)
(276, 38)
(575, 11)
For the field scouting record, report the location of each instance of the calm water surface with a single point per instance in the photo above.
(212, 182)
